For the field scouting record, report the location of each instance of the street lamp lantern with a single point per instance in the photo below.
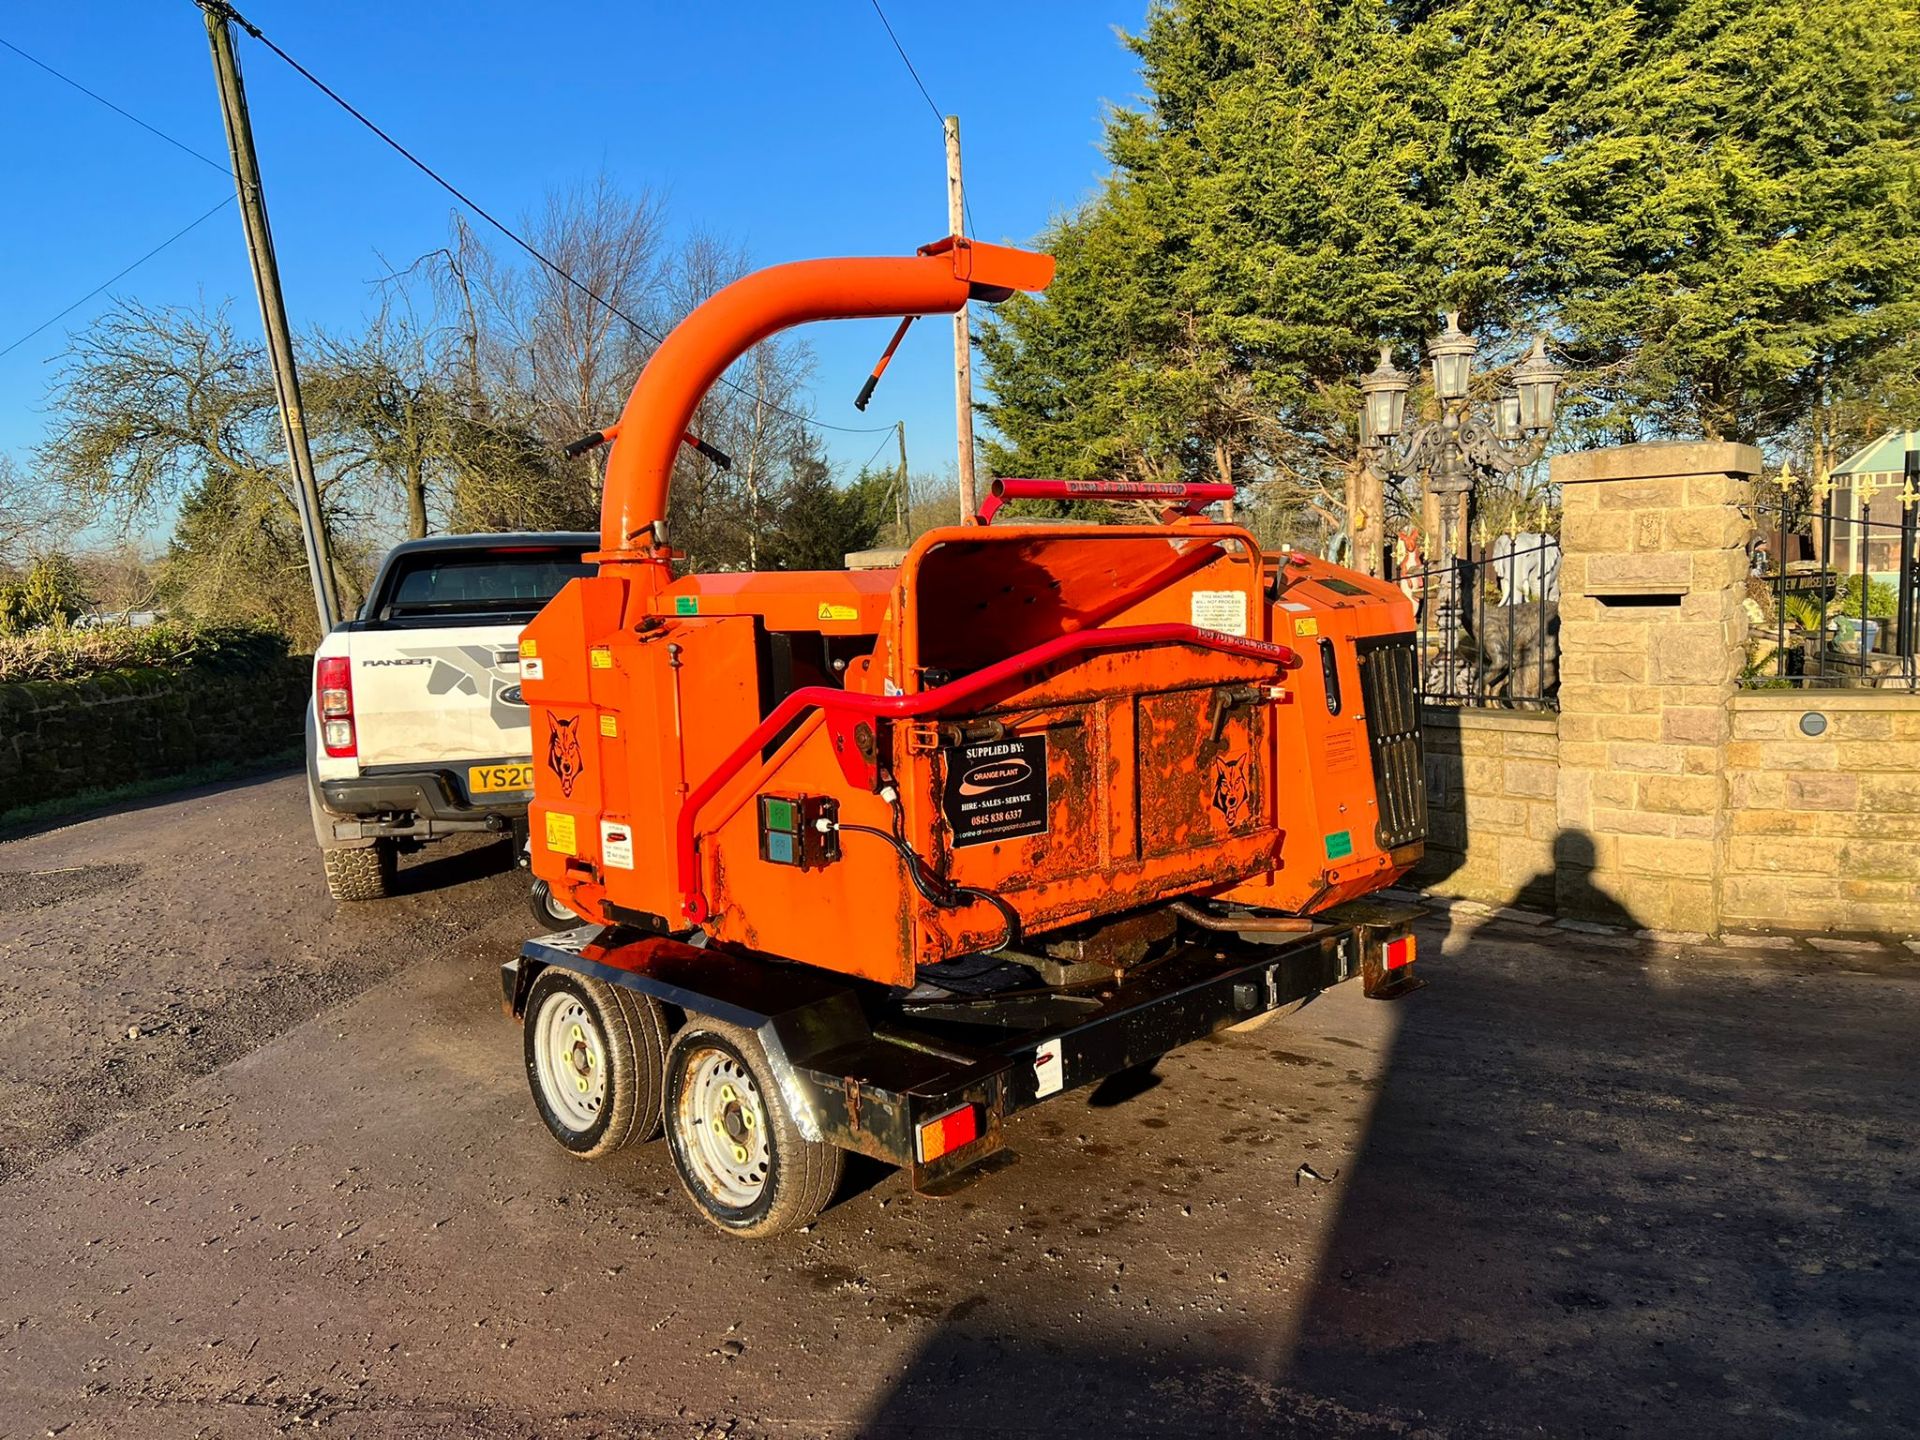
(1384, 398)
(1538, 380)
(1448, 453)
(1506, 417)
(1452, 351)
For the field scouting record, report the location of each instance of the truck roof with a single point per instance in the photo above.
(492, 541)
(540, 542)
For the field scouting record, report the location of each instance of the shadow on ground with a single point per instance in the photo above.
(1604, 1190)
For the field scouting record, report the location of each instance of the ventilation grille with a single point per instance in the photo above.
(1389, 688)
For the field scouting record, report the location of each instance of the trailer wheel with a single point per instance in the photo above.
(738, 1152)
(547, 909)
(596, 1058)
(364, 872)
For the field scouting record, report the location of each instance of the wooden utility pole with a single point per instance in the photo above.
(273, 310)
(962, 333)
(900, 488)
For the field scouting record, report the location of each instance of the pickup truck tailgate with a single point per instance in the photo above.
(438, 695)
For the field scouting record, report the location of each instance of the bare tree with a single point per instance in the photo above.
(31, 522)
(158, 406)
(387, 401)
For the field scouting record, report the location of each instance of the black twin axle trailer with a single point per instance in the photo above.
(764, 1072)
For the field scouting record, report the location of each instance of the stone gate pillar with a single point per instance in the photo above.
(1652, 632)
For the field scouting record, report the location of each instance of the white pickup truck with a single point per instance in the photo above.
(416, 728)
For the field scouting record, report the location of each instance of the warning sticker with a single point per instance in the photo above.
(1049, 1075)
(560, 834)
(1339, 845)
(528, 649)
(686, 604)
(1222, 610)
(616, 845)
(532, 669)
(997, 789)
(838, 612)
(600, 658)
(1309, 626)
(610, 725)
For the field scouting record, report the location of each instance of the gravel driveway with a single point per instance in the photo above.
(1570, 1190)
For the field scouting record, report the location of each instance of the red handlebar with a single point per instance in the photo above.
(1190, 499)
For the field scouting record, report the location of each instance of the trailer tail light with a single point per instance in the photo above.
(1399, 953)
(946, 1133)
(333, 700)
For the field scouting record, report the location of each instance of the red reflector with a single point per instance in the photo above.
(1399, 952)
(947, 1133)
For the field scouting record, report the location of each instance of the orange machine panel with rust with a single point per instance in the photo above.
(1352, 806)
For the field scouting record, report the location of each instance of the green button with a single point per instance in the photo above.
(780, 815)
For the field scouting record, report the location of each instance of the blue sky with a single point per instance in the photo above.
(792, 129)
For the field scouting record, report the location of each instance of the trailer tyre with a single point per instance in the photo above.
(738, 1152)
(548, 911)
(596, 1061)
(362, 873)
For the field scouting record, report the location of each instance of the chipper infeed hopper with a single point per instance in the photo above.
(802, 808)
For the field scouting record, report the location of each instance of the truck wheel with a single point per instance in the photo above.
(595, 1058)
(743, 1161)
(363, 873)
(547, 909)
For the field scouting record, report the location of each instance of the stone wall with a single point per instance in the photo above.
(1824, 828)
(59, 738)
(1652, 634)
(1663, 797)
(1491, 785)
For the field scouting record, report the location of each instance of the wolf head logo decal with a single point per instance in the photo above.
(563, 751)
(1230, 788)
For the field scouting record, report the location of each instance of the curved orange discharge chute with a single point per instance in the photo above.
(938, 280)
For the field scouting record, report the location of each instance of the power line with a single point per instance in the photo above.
(877, 449)
(178, 234)
(201, 156)
(496, 222)
(939, 116)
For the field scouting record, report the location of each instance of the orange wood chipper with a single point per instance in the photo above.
(870, 860)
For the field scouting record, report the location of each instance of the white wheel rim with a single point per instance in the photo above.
(723, 1127)
(570, 1055)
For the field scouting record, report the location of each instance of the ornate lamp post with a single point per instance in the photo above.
(1451, 452)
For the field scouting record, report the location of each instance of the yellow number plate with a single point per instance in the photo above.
(492, 779)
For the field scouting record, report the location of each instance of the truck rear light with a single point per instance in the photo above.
(1399, 953)
(333, 699)
(946, 1133)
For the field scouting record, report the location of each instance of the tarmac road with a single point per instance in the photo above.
(1572, 1189)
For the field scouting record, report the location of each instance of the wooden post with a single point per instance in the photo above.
(273, 314)
(900, 488)
(962, 333)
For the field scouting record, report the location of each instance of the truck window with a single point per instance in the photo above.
(493, 585)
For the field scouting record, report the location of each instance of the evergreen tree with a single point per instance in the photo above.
(817, 524)
(1705, 203)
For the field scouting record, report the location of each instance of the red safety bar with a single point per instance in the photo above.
(1191, 498)
(842, 706)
